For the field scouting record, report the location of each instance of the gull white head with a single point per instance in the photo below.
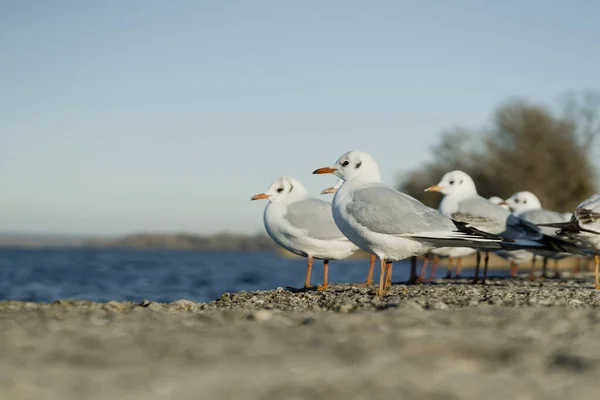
(498, 201)
(283, 189)
(457, 184)
(334, 188)
(523, 201)
(354, 166)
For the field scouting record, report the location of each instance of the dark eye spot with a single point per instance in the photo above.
(279, 190)
(452, 182)
(524, 201)
(516, 200)
(345, 163)
(358, 165)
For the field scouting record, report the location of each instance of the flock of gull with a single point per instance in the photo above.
(392, 226)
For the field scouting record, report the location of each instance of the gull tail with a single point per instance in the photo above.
(572, 226)
(463, 236)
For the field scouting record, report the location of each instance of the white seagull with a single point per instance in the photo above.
(462, 203)
(303, 225)
(584, 228)
(527, 206)
(390, 224)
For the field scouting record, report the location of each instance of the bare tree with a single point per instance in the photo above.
(583, 111)
(527, 148)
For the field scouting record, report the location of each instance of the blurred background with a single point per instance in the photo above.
(132, 134)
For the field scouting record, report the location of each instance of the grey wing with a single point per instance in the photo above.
(314, 216)
(384, 210)
(541, 216)
(482, 214)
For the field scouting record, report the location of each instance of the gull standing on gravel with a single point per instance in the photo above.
(390, 224)
(584, 228)
(527, 206)
(303, 225)
(369, 281)
(462, 203)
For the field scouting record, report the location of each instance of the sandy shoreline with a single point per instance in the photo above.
(452, 340)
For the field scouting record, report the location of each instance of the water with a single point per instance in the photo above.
(160, 275)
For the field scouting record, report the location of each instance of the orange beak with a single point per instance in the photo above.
(330, 190)
(325, 170)
(260, 196)
(434, 188)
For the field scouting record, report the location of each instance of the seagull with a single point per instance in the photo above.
(499, 201)
(390, 224)
(584, 228)
(527, 206)
(462, 203)
(303, 225)
(369, 281)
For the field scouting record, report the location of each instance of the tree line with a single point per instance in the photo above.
(526, 146)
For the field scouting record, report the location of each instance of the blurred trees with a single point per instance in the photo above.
(526, 148)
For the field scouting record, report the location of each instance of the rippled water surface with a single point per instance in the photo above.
(159, 275)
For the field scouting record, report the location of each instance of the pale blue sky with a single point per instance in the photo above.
(120, 116)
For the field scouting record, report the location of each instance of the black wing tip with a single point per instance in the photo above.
(463, 227)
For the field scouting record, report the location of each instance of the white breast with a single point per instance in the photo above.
(298, 241)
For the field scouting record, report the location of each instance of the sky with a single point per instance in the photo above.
(144, 115)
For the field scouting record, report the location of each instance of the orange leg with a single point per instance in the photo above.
(388, 274)
(436, 260)
(423, 268)
(308, 271)
(514, 269)
(458, 267)
(597, 262)
(382, 267)
(325, 276)
(370, 275)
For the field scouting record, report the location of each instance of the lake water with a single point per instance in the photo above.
(160, 275)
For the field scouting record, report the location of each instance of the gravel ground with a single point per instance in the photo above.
(449, 340)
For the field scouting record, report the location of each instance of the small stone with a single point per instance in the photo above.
(575, 302)
(346, 307)
(438, 305)
(226, 296)
(144, 303)
(261, 315)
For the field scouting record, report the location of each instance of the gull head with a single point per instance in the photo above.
(334, 188)
(353, 166)
(283, 189)
(499, 202)
(523, 201)
(455, 183)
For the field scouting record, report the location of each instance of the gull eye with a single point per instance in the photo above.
(452, 182)
(524, 201)
(516, 200)
(345, 163)
(280, 190)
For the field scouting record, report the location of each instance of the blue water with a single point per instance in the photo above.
(160, 275)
